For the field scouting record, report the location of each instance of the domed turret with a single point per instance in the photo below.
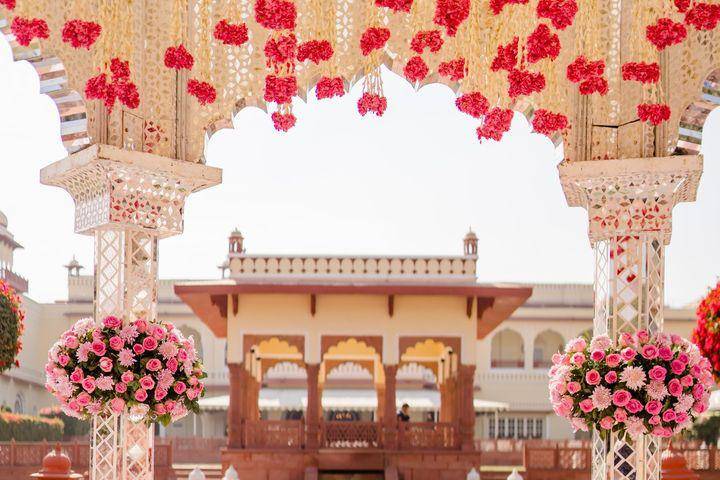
(74, 267)
(470, 244)
(235, 242)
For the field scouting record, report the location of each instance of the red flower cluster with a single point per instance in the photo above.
(395, 5)
(641, 72)
(542, 44)
(655, 113)
(416, 69)
(328, 87)
(665, 33)
(523, 82)
(283, 121)
(280, 89)
(453, 69)
(373, 38)
(80, 34)
(703, 16)
(9, 4)
(546, 122)
(707, 331)
(589, 75)
(119, 88)
(203, 91)
(372, 102)
(231, 34)
(474, 104)
(507, 56)
(497, 5)
(276, 14)
(451, 14)
(281, 50)
(431, 39)
(560, 12)
(178, 58)
(26, 29)
(315, 50)
(497, 122)
(682, 5)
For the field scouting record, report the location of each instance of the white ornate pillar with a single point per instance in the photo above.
(128, 201)
(629, 204)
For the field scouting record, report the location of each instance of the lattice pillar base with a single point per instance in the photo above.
(128, 200)
(629, 204)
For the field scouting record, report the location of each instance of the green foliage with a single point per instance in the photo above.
(26, 428)
(74, 427)
(706, 430)
(11, 326)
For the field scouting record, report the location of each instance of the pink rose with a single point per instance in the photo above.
(668, 416)
(620, 415)
(158, 332)
(160, 409)
(71, 341)
(141, 325)
(621, 398)
(121, 387)
(63, 359)
(147, 382)
(572, 387)
(116, 343)
(160, 394)
(634, 406)
(677, 367)
(557, 358)
(117, 404)
(106, 364)
(112, 322)
(194, 392)
(98, 347)
(597, 355)
(183, 355)
(127, 377)
(88, 384)
(77, 375)
(662, 432)
(681, 417)
(74, 406)
(665, 353)
(84, 399)
(700, 407)
(179, 388)
(138, 349)
(655, 420)
(687, 381)
(643, 336)
(587, 405)
(172, 365)
(592, 377)
(649, 352)
(653, 407)
(698, 391)
(613, 360)
(657, 373)
(675, 387)
(154, 365)
(683, 357)
(170, 405)
(149, 343)
(578, 344)
(141, 395)
(611, 377)
(607, 423)
(628, 354)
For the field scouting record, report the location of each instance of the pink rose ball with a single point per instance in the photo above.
(675, 387)
(677, 367)
(592, 377)
(587, 405)
(149, 343)
(643, 336)
(160, 409)
(160, 394)
(158, 332)
(668, 416)
(63, 359)
(154, 365)
(634, 406)
(172, 365)
(84, 399)
(665, 353)
(141, 395)
(77, 375)
(112, 322)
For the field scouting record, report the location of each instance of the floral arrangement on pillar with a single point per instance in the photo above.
(147, 369)
(657, 384)
(707, 331)
(11, 326)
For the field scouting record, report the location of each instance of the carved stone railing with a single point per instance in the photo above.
(20, 284)
(325, 266)
(428, 436)
(275, 434)
(351, 434)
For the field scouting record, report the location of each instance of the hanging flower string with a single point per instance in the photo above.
(178, 57)
(199, 87)
(28, 29)
(9, 4)
(80, 34)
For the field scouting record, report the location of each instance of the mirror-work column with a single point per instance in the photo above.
(629, 204)
(128, 201)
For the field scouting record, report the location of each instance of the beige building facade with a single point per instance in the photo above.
(510, 348)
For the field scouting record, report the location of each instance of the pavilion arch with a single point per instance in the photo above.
(507, 350)
(439, 354)
(53, 79)
(365, 351)
(286, 370)
(545, 345)
(692, 121)
(414, 371)
(353, 371)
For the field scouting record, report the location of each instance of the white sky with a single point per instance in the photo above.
(410, 182)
